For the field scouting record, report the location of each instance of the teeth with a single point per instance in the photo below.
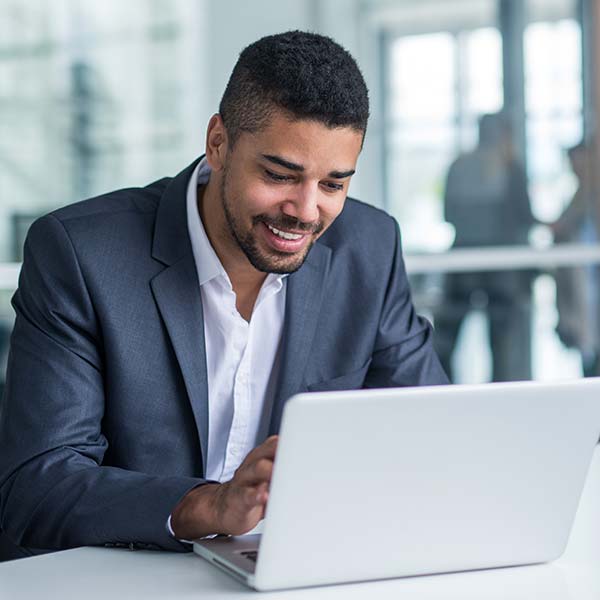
(284, 234)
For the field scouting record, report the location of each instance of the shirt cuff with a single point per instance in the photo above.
(170, 530)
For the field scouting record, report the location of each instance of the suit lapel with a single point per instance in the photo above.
(177, 295)
(176, 292)
(304, 296)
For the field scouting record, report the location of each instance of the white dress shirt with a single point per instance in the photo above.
(241, 356)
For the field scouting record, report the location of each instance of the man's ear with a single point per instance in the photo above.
(216, 143)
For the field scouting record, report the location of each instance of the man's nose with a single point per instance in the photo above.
(303, 203)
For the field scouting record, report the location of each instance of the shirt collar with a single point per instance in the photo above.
(207, 262)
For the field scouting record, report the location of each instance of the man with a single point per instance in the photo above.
(160, 330)
(576, 287)
(487, 201)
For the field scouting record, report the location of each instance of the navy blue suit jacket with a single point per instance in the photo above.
(103, 427)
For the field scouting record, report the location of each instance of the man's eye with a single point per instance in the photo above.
(334, 187)
(276, 176)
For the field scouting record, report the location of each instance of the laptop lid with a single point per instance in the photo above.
(374, 484)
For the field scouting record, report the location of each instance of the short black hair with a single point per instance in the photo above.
(305, 74)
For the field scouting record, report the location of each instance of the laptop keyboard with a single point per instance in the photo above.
(250, 555)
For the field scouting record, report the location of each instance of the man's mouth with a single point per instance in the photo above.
(286, 242)
(286, 235)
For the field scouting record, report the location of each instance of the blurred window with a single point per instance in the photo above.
(438, 85)
(439, 78)
(94, 96)
(554, 111)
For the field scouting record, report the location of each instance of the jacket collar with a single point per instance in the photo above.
(171, 239)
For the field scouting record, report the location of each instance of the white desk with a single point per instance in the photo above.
(103, 574)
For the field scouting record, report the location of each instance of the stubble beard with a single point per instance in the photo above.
(273, 262)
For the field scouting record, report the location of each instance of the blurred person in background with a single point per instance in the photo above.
(577, 287)
(487, 202)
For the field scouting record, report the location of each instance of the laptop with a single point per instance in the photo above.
(377, 484)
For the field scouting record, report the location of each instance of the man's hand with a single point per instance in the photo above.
(231, 508)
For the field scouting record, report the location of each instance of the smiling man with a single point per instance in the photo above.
(160, 330)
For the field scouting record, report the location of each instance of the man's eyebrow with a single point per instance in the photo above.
(341, 174)
(295, 167)
(282, 162)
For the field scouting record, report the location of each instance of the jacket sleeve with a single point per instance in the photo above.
(54, 491)
(403, 354)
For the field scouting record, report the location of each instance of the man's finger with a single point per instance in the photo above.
(254, 496)
(273, 439)
(263, 469)
(266, 450)
(254, 472)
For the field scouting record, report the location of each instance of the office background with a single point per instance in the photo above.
(100, 95)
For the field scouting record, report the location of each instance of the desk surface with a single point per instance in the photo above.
(100, 573)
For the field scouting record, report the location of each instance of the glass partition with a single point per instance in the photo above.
(481, 159)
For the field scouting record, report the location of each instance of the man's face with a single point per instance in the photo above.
(283, 186)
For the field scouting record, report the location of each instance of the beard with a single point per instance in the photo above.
(270, 261)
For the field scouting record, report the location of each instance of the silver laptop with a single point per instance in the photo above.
(376, 484)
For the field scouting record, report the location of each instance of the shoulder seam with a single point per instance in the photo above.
(77, 262)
